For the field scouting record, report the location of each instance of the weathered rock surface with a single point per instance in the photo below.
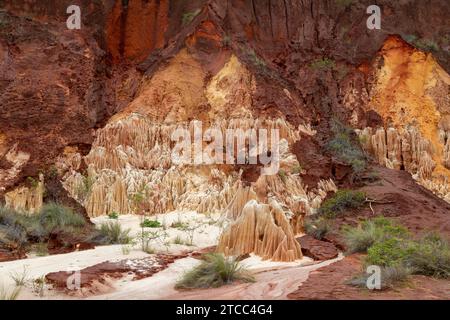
(261, 229)
(317, 249)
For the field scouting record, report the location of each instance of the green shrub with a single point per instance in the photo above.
(113, 215)
(343, 200)
(189, 16)
(214, 271)
(323, 64)
(426, 45)
(421, 43)
(14, 237)
(362, 237)
(318, 228)
(344, 3)
(85, 187)
(297, 169)
(54, 217)
(388, 252)
(345, 146)
(32, 182)
(282, 175)
(391, 247)
(150, 224)
(430, 256)
(112, 233)
(17, 229)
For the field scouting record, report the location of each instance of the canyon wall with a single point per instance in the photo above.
(95, 108)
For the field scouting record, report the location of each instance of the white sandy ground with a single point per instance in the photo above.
(274, 280)
(206, 229)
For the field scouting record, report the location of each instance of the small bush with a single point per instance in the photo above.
(54, 217)
(318, 228)
(362, 237)
(189, 16)
(323, 64)
(344, 3)
(297, 169)
(112, 233)
(430, 256)
(345, 146)
(113, 215)
(388, 252)
(214, 271)
(85, 188)
(343, 200)
(17, 229)
(13, 237)
(282, 174)
(421, 43)
(150, 224)
(391, 247)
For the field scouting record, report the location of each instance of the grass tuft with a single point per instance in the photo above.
(214, 271)
(147, 223)
(112, 233)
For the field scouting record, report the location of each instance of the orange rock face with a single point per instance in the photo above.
(411, 94)
(133, 31)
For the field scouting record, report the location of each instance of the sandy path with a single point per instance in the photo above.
(271, 284)
(40, 266)
(275, 282)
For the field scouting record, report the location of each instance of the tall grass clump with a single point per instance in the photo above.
(214, 271)
(112, 233)
(54, 217)
(430, 256)
(13, 294)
